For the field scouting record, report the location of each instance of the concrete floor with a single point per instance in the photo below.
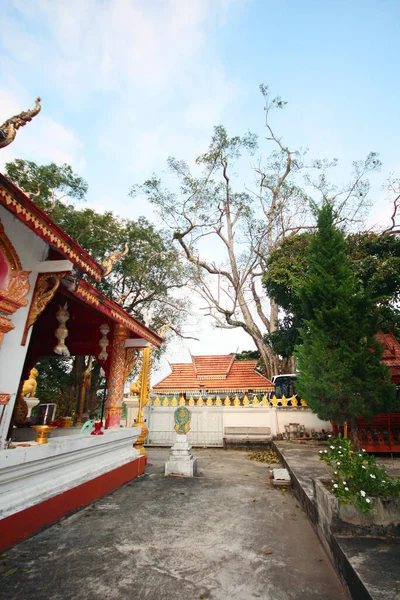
(224, 535)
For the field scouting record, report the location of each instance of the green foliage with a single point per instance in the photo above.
(56, 182)
(375, 260)
(341, 373)
(357, 478)
(252, 355)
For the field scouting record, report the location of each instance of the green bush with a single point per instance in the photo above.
(357, 478)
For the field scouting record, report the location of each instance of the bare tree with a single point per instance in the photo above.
(227, 235)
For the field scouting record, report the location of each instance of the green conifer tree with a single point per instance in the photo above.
(341, 373)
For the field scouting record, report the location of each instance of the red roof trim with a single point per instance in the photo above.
(90, 295)
(26, 211)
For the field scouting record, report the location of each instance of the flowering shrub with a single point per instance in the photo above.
(357, 477)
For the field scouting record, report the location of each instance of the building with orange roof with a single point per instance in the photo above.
(212, 375)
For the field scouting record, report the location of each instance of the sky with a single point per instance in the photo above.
(127, 83)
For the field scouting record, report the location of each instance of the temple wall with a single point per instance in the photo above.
(209, 422)
(31, 251)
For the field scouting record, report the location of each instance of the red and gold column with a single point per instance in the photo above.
(116, 379)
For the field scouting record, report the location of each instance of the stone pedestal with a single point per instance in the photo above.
(31, 403)
(181, 460)
(132, 408)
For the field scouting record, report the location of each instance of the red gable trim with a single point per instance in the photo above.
(26, 211)
(90, 295)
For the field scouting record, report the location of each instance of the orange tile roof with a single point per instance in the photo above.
(214, 373)
(391, 353)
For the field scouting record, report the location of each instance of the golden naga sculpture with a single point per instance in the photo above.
(9, 129)
(109, 261)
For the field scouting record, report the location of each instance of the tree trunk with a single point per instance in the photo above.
(354, 435)
(76, 377)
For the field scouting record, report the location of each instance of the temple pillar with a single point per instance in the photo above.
(116, 379)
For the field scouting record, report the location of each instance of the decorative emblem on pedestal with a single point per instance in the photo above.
(182, 418)
(181, 461)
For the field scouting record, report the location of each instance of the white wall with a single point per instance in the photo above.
(208, 422)
(31, 251)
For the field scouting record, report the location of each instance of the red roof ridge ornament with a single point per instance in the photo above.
(8, 130)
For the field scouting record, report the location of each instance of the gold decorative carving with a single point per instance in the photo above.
(4, 399)
(14, 283)
(109, 261)
(114, 410)
(131, 359)
(9, 251)
(9, 129)
(46, 286)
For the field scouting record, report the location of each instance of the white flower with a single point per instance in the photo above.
(362, 450)
(339, 453)
(326, 451)
(367, 500)
(347, 489)
(344, 483)
(335, 485)
(320, 451)
(363, 467)
(373, 476)
(335, 472)
(332, 447)
(362, 493)
(338, 464)
(360, 455)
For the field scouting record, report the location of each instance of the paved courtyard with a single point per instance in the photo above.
(224, 535)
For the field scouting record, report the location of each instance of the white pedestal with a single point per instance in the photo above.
(132, 408)
(181, 460)
(31, 403)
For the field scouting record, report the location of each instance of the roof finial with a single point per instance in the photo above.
(9, 129)
(109, 261)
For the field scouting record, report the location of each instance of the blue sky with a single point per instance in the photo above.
(127, 83)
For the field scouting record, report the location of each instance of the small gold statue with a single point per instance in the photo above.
(30, 385)
(20, 414)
